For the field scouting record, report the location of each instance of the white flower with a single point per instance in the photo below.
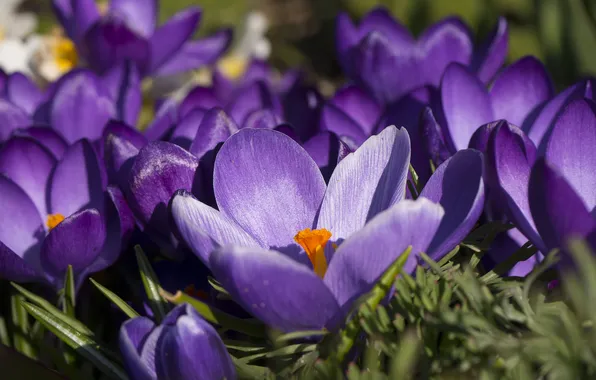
(15, 25)
(16, 55)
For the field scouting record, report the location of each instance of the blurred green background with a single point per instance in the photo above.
(560, 32)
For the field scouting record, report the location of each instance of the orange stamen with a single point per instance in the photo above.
(54, 220)
(313, 242)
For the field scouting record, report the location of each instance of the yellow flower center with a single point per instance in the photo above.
(313, 242)
(64, 53)
(232, 66)
(54, 220)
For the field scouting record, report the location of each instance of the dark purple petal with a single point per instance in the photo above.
(78, 181)
(366, 182)
(139, 14)
(80, 107)
(47, 137)
(111, 42)
(131, 338)
(11, 118)
(490, 55)
(432, 137)
(259, 172)
(571, 148)
(443, 43)
(456, 185)
(254, 97)
(28, 164)
(63, 11)
(20, 239)
(366, 255)
(326, 149)
(84, 15)
(198, 97)
(519, 89)
(195, 54)
(176, 355)
(123, 82)
(302, 106)
(121, 144)
(21, 91)
(170, 37)
(265, 119)
(359, 106)
(335, 120)
(204, 229)
(466, 105)
(558, 211)
(215, 128)
(186, 130)
(509, 162)
(346, 37)
(158, 171)
(165, 118)
(76, 241)
(276, 289)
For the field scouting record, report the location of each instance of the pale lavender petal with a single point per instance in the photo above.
(28, 164)
(259, 172)
(131, 338)
(519, 89)
(261, 280)
(366, 182)
(571, 148)
(367, 254)
(456, 185)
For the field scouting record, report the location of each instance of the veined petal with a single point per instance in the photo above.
(215, 128)
(132, 335)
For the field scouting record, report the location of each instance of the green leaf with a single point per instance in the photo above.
(217, 286)
(151, 284)
(249, 327)
(81, 343)
(299, 335)
(122, 305)
(69, 293)
(251, 372)
(35, 299)
(445, 259)
(287, 350)
(403, 364)
(20, 320)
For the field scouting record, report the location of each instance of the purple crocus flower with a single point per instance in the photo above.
(549, 198)
(362, 213)
(183, 347)
(61, 213)
(129, 32)
(382, 56)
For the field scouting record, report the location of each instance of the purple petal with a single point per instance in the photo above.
(519, 89)
(11, 118)
(491, 54)
(359, 106)
(176, 354)
(195, 54)
(265, 119)
(259, 172)
(204, 229)
(335, 120)
(366, 255)
(111, 42)
(77, 182)
(158, 171)
(76, 241)
(63, 11)
(251, 98)
(28, 164)
(326, 149)
(186, 130)
(557, 209)
(47, 137)
(302, 105)
(124, 84)
(165, 118)
(261, 280)
(570, 148)
(121, 144)
(366, 182)
(443, 43)
(198, 97)
(80, 107)
(466, 105)
(21, 91)
(132, 335)
(432, 137)
(20, 240)
(458, 187)
(510, 161)
(139, 14)
(84, 15)
(215, 128)
(170, 37)
(346, 37)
